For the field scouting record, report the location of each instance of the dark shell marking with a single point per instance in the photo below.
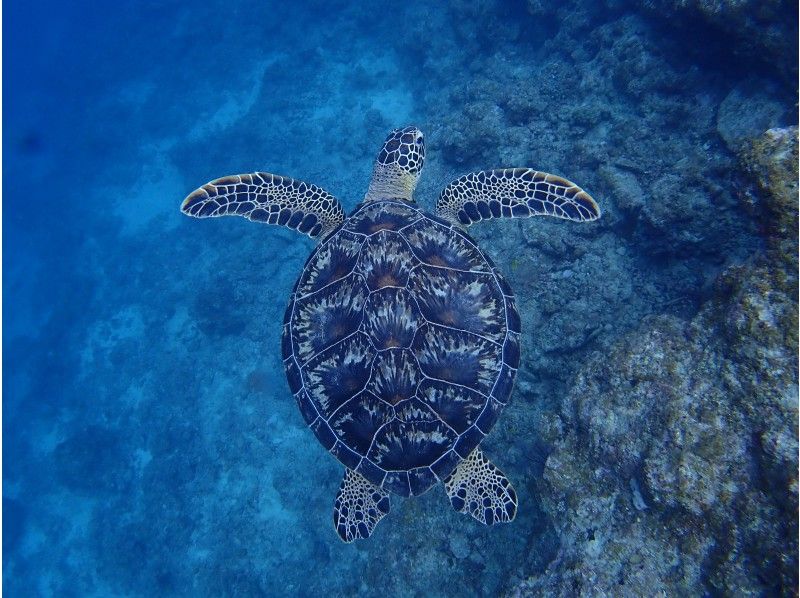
(401, 343)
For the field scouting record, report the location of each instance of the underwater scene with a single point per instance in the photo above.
(161, 434)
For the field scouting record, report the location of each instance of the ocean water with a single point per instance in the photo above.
(151, 446)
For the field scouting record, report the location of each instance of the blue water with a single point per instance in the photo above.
(151, 446)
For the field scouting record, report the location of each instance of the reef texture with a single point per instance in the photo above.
(771, 160)
(674, 462)
(761, 33)
(597, 114)
(162, 453)
(764, 30)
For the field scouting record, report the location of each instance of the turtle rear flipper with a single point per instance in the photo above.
(514, 193)
(269, 198)
(477, 487)
(359, 506)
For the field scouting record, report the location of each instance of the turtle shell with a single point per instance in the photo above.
(401, 343)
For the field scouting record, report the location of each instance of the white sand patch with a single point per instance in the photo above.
(48, 439)
(270, 507)
(389, 97)
(396, 105)
(160, 187)
(179, 322)
(235, 102)
(141, 459)
(385, 93)
(134, 397)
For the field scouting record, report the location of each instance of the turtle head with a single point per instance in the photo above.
(398, 166)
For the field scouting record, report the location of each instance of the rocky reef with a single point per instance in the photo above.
(652, 436)
(758, 30)
(674, 461)
(756, 34)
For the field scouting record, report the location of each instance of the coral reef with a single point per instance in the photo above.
(771, 160)
(746, 112)
(604, 106)
(758, 29)
(161, 451)
(674, 462)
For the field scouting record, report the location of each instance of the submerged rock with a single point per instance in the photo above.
(746, 112)
(754, 28)
(674, 462)
(771, 160)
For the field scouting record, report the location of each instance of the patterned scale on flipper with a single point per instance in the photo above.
(400, 344)
(267, 198)
(514, 193)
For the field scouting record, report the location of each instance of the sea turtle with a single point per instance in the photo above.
(401, 338)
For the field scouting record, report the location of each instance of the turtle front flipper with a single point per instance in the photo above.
(359, 506)
(514, 193)
(269, 198)
(477, 487)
